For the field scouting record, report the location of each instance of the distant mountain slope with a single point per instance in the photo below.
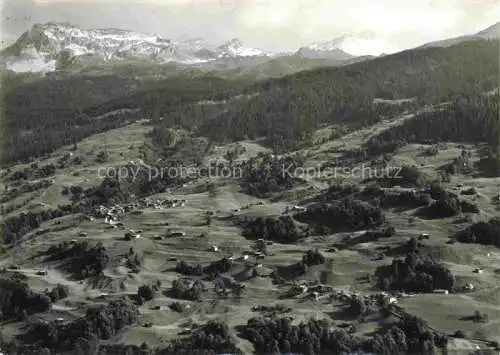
(490, 33)
(286, 105)
(277, 67)
(313, 53)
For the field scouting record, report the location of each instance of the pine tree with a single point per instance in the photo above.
(305, 128)
(155, 115)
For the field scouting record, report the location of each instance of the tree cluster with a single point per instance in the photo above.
(339, 191)
(18, 300)
(418, 272)
(216, 267)
(341, 215)
(34, 171)
(133, 261)
(146, 292)
(212, 338)
(233, 154)
(177, 307)
(80, 336)
(402, 199)
(79, 258)
(484, 232)
(109, 192)
(175, 145)
(187, 289)
(409, 335)
(282, 229)
(449, 205)
(24, 188)
(121, 349)
(313, 257)
(265, 175)
(407, 176)
(59, 292)
(274, 309)
(17, 226)
(479, 317)
(357, 306)
(460, 165)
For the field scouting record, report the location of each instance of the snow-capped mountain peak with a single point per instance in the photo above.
(357, 44)
(235, 48)
(53, 40)
(193, 45)
(56, 44)
(328, 45)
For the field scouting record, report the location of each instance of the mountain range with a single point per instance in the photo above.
(52, 46)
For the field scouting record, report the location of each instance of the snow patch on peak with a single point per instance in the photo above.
(357, 44)
(31, 62)
(235, 48)
(66, 42)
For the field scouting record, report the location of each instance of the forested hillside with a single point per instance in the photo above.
(469, 119)
(287, 106)
(43, 115)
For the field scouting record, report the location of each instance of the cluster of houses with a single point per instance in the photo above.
(113, 212)
(245, 257)
(247, 206)
(159, 203)
(116, 211)
(318, 292)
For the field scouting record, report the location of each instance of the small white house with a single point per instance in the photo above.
(469, 287)
(178, 234)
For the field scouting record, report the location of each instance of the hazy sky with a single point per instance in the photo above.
(266, 24)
